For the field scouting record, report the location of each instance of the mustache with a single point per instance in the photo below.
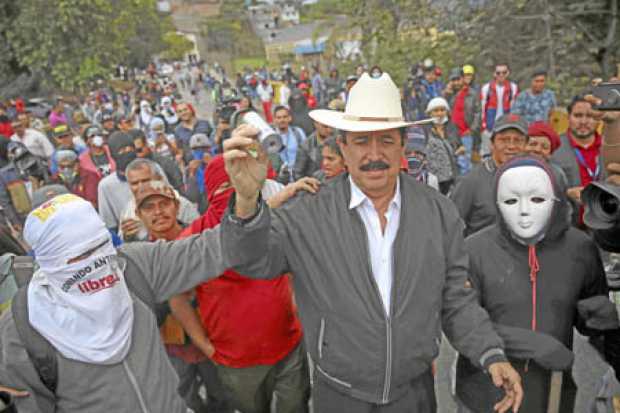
(374, 166)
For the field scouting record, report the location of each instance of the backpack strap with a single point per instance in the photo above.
(41, 353)
(297, 133)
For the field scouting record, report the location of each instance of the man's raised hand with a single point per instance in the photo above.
(246, 165)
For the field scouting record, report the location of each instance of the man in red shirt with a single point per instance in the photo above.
(465, 109)
(157, 205)
(254, 333)
(579, 153)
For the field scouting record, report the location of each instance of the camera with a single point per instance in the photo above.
(7, 405)
(602, 205)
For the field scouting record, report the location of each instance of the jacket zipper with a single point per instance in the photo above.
(136, 388)
(388, 325)
(321, 336)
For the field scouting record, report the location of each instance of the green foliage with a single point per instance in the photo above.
(231, 31)
(70, 42)
(252, 62)
(177, 46)
(321, 10)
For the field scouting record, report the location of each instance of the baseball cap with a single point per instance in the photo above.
(154, 188)
(92, 131)
(468, 70)
(200, 140)
(61, 130)
(455, 73)
(106, 117)
(510, 121)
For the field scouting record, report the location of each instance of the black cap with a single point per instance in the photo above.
(510, 121)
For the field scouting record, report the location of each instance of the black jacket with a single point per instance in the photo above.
(570, 270)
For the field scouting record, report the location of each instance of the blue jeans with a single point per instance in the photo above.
(464, 161)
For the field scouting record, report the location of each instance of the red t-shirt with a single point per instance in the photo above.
(589, 159)
(249, 322)
(458, 112)
(589, 163)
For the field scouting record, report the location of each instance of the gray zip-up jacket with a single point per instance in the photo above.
(357, 347)
(145, 381)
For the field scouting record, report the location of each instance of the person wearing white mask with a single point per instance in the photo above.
(86, 306)
(169, 113)
(443, 144)
(144, 116)
(537, 277)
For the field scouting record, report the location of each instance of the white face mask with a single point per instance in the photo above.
(98, 141)
(525, 198)
(440, 121)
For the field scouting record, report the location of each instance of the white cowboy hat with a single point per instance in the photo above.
(373, 105)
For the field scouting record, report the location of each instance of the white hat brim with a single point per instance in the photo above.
(336, 119)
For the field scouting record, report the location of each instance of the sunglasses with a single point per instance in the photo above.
(501, 72)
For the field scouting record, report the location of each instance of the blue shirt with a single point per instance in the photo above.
(290, 141)
(183, 134)
(534, 107)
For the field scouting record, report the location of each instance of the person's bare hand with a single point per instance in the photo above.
(14, 392)
(604, 115)
(505, 376)
(247, 173)
(130, 227)
(193, 166)
(613, 170)
(307, 184)
(575, 193)
(460, 151)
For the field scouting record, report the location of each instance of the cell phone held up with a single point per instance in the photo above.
(609, 93)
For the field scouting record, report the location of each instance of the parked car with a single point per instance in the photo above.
(39, 107)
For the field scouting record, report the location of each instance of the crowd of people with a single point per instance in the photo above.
(181, 266)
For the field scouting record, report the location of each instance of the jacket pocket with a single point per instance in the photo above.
(321, 337)
(332, 378)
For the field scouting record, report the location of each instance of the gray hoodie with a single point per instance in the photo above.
(145, 381)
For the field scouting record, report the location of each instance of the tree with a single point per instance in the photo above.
(395, 34)
(572, 39)
(69, 42)
(177, 46)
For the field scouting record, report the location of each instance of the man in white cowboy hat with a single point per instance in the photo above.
(378, 265)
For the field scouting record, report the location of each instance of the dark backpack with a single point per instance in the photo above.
(41, 353)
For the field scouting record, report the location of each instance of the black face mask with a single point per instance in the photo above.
(122, 160)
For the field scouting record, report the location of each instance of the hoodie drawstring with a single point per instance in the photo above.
(534, 267)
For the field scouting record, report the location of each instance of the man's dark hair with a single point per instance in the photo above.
(539, 72)
(281, 107)
(137, 134)
(574, 101)
(332, 144)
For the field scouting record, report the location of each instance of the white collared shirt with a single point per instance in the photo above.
(36, 142)
(380, 244)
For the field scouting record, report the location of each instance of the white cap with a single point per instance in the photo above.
(436, 103)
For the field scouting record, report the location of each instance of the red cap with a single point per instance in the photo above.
(541, 128)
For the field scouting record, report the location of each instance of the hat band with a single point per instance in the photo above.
(371, 119)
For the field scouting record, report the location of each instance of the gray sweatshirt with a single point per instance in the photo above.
(145, 381)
